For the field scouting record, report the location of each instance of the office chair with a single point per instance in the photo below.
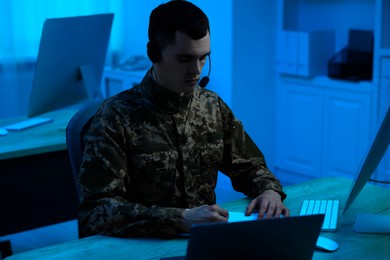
(78, 126)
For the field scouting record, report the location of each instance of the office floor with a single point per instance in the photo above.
(67, 231)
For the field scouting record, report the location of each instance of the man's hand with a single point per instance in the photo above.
(200, 215)
(268, 202)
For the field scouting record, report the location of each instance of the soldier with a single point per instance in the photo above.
(153, 152)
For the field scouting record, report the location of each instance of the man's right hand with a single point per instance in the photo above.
(201, 215)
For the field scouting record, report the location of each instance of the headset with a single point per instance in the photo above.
(153, 51)
(205, 80)
(154, 54)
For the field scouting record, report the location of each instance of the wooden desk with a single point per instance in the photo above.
(36, 183)
(49, 137)
(353, 245)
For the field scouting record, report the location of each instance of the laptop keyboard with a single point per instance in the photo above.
(328, 207)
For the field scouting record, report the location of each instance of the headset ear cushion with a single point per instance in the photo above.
(153, 52)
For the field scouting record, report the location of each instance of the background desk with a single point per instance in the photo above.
(36, 183)
(353, 245)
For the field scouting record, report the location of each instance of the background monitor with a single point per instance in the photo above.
(70, 62)
(373, 158)
(370, 163)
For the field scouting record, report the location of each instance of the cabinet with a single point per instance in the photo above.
(325, 126)
(346, 122)
(298, 131)
(117, 80)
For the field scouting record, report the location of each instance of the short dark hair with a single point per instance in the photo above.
(175, 15)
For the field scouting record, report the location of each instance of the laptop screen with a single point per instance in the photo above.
(282, 238)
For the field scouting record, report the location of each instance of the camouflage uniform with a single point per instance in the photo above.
(150, 155)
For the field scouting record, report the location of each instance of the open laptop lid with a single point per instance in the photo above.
(282, 238)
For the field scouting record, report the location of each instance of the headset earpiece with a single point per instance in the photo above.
(153, 52)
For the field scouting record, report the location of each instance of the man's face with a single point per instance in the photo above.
(181, 63)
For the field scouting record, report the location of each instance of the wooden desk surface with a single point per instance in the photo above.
(373, 199)
(44, 138)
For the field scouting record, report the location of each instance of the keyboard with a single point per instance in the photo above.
(31, 122)
(328, 207)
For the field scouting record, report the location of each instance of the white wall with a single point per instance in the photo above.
(220, 15)
(254, 40)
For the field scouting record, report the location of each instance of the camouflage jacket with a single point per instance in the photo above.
(150, 154)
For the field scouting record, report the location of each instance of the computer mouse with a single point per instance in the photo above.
(326, 244)
(3, 132)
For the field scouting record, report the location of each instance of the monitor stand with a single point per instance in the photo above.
(91, 85)
(372, 223)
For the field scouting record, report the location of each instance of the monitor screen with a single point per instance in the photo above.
(372, 159)
(70, 62)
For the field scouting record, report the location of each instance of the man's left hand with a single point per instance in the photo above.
(269, 204)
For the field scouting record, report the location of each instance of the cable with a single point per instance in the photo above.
(379, 181)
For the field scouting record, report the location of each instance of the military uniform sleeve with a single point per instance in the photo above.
(243, 161)
(104, 208)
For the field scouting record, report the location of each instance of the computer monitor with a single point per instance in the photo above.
(70, 62)
(373, 158)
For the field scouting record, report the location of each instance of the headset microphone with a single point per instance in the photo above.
(205, 80)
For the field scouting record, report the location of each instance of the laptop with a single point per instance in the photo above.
(282, 238)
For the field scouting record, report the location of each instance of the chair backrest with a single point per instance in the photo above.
(77, 127)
